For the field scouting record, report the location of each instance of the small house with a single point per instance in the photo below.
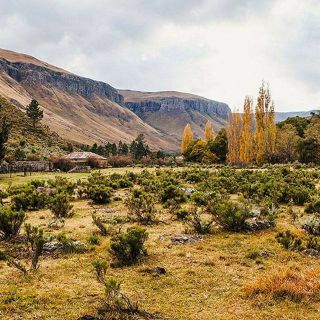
(86, 159)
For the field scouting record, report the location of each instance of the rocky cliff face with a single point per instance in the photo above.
(33, 75)
(211, 108)
(169, 112)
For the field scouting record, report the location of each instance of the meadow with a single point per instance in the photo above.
(208, 244)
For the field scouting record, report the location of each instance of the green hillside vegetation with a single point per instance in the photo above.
(26, 142)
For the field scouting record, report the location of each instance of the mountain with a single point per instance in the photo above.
(281, 116)
(85, 111)
(170, 111)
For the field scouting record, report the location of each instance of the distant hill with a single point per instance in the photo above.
(86, 111)
(281, 116)
(170, 111)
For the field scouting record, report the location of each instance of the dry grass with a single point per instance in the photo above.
(296, 285)
(204, 280)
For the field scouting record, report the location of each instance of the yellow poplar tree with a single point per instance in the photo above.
(234, 129)
(265, 134)
(187, 138)
(246, 139)
(208, 131)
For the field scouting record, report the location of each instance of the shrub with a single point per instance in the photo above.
(33, 200)
(97, 221)
(141, 207)
(298, 194)
(128, 248)
(60, 206)
(172, 192)
(182, 214)
(116, 304)
(94, 240)
(313, 206)
(313, 226)
(62, 185)
(10, 221)
(71, 246)
(11, 262)
(231, 216)
(99, 194)
(289, 241)
(36, 241)
(198, 223)
(120, 161)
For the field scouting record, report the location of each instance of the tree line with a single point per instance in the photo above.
(253, 137)
(137, 149)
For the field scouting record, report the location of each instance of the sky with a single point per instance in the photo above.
(219, 49)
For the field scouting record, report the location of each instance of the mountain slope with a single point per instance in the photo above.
(36, 143)
(170, 111)
(85, 111)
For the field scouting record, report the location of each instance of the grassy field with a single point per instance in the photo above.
(208, 279)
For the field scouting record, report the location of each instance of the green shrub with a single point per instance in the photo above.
(298, 194)
(198, 223)
(10, 221)
(33, 200)
(62, 185)
(182, 214)
(141, 207)
(313, 206)
(60, 206)
(36, 241)
(289, 241)
(231, 216)
(172, 192)
(94, 240)
(99, 194)
(128, 248)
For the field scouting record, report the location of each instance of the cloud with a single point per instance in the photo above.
(221, 49)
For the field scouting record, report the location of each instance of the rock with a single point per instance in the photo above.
(311, 252)
(52, 246)
(188, 191)
(257, 223)
(186, 238)
(159, 270)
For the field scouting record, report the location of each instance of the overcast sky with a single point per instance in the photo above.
(220, 49)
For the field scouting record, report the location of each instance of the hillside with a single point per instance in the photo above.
(85, 111)
(169, 111)
(36, 143)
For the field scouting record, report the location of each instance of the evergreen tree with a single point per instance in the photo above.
(34, 112)
(187, 138)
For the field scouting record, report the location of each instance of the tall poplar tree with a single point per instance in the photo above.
(234, 129)
(246, 138)
(208, 131)
(187, 138)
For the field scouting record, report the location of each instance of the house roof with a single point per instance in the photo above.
(83, 156)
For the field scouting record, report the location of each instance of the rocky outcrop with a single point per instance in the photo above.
(170, 111)
(33, 75)
(209, 107)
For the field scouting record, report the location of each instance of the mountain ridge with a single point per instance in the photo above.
(86, 111)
